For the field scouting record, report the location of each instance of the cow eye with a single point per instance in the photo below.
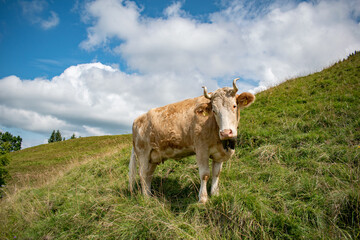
(234, 106)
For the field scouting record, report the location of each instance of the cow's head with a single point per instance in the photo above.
(226, 105)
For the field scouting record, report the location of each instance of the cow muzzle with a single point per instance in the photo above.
(228, 139)
(226, 134)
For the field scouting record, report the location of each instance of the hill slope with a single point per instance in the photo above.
(33, 166)
(295, 176)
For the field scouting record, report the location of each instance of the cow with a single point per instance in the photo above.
(205, 126)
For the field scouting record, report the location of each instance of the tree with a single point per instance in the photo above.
(52, 137)
(58, 137)
(4, 160)
(73, 136)
(55, 137)
(8, 143)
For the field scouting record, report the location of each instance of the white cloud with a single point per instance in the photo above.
(34, 10)
(94, 131)
(89, 99)
(29, 120)
(51, 22)
(31, 8)
(268, 44)
(174, 10)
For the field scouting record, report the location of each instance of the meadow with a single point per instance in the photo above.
(295, 175)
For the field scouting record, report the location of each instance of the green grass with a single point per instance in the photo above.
(295, 175)
(33, 165)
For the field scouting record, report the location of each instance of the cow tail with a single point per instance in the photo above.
(132, 170)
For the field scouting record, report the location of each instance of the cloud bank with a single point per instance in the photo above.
(171, 57)
(264, 43)
(88, 99)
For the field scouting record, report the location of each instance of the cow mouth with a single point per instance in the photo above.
(229, 144)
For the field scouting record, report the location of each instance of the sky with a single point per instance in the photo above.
(90, 67)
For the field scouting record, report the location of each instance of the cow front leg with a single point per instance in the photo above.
(203, 164)
(216, 169)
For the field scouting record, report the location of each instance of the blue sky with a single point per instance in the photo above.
(91, 67)
(48, 52)
(42, 52)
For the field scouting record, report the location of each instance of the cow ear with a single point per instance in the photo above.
(245, 99)
(203, 109)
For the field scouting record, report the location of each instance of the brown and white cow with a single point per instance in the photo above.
(205, 126)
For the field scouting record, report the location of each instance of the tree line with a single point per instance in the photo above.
(56, 137)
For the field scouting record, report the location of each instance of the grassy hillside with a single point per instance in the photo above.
(295, 175)
(33, 166)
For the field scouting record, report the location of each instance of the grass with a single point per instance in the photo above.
(35, 165)
(295, 176)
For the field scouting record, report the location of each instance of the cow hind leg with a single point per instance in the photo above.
(146, 173)
(149, 176)
(132, 170)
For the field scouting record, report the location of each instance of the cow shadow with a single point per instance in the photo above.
(169, 191)
(177, 195)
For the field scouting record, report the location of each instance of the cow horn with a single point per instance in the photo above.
(235, 89)
(206, 94)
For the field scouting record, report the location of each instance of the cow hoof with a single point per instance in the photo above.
(203, 200)
(215, 193)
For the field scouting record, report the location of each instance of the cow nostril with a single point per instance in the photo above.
(226, 133)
